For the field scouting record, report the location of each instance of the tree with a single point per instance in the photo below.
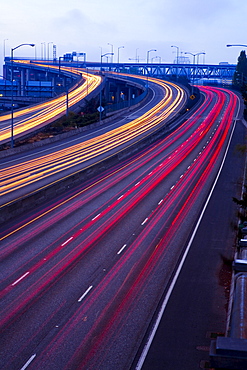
(240, 75)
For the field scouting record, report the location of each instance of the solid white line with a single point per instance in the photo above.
(85, 293)
(22, 277)
(96, 216)
(169, 292)
(120, 250)
(144, 221)
(68, 240)
(28, 362)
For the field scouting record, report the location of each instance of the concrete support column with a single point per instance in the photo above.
(27, 79)
(129, 94)
(21, 87)
(118, 98)
(53, 85)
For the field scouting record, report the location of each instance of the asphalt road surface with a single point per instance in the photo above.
(82, 276)
(197, 309)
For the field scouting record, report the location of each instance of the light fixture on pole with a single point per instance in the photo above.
(201, 53)
(245, 46)
(111, 52)
(193, 75)
(43, 55)
(100, 108)
(120, 47)
(149, 51)
(194, 56)
(174, 46)
(4, 47)
(12, 96)
(48, 49)
(4, 50)
(137, 57)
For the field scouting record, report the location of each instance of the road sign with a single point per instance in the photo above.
(100, 109)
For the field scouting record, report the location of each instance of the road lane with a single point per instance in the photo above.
(107, 284)
(22, 176)
(37, 115)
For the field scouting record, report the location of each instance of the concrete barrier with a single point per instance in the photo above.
(230, 352)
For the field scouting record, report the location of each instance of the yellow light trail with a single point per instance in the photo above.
(20, 175)
(34, 116)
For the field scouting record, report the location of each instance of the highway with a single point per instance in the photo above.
(197, 309)
(24, 173)
(25, 120)
(81, 277)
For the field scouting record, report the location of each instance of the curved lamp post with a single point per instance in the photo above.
(193, 76)
(111, 52)
(245, 46)
(194, 56)
(100, 95)
(201, 53)
(48, 49)
(149, 51)
(12, 98)
(4, 47)
(174, 46)
(120, 47)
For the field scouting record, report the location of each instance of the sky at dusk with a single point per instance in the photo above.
(92, 26)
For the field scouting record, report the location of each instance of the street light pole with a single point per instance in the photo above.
(137, 58)
(174, 46)
(194, 62)
(149, 51)
(100, 93)
(12, 93)
(193, 75)
(120, 47)
(202, 53)
(4, 50)
(4, 47)
(48, 49)
(194, 56)
(148, 54)
(111, 52)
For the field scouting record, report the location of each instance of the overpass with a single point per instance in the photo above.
(193, 72)
(40, 80)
